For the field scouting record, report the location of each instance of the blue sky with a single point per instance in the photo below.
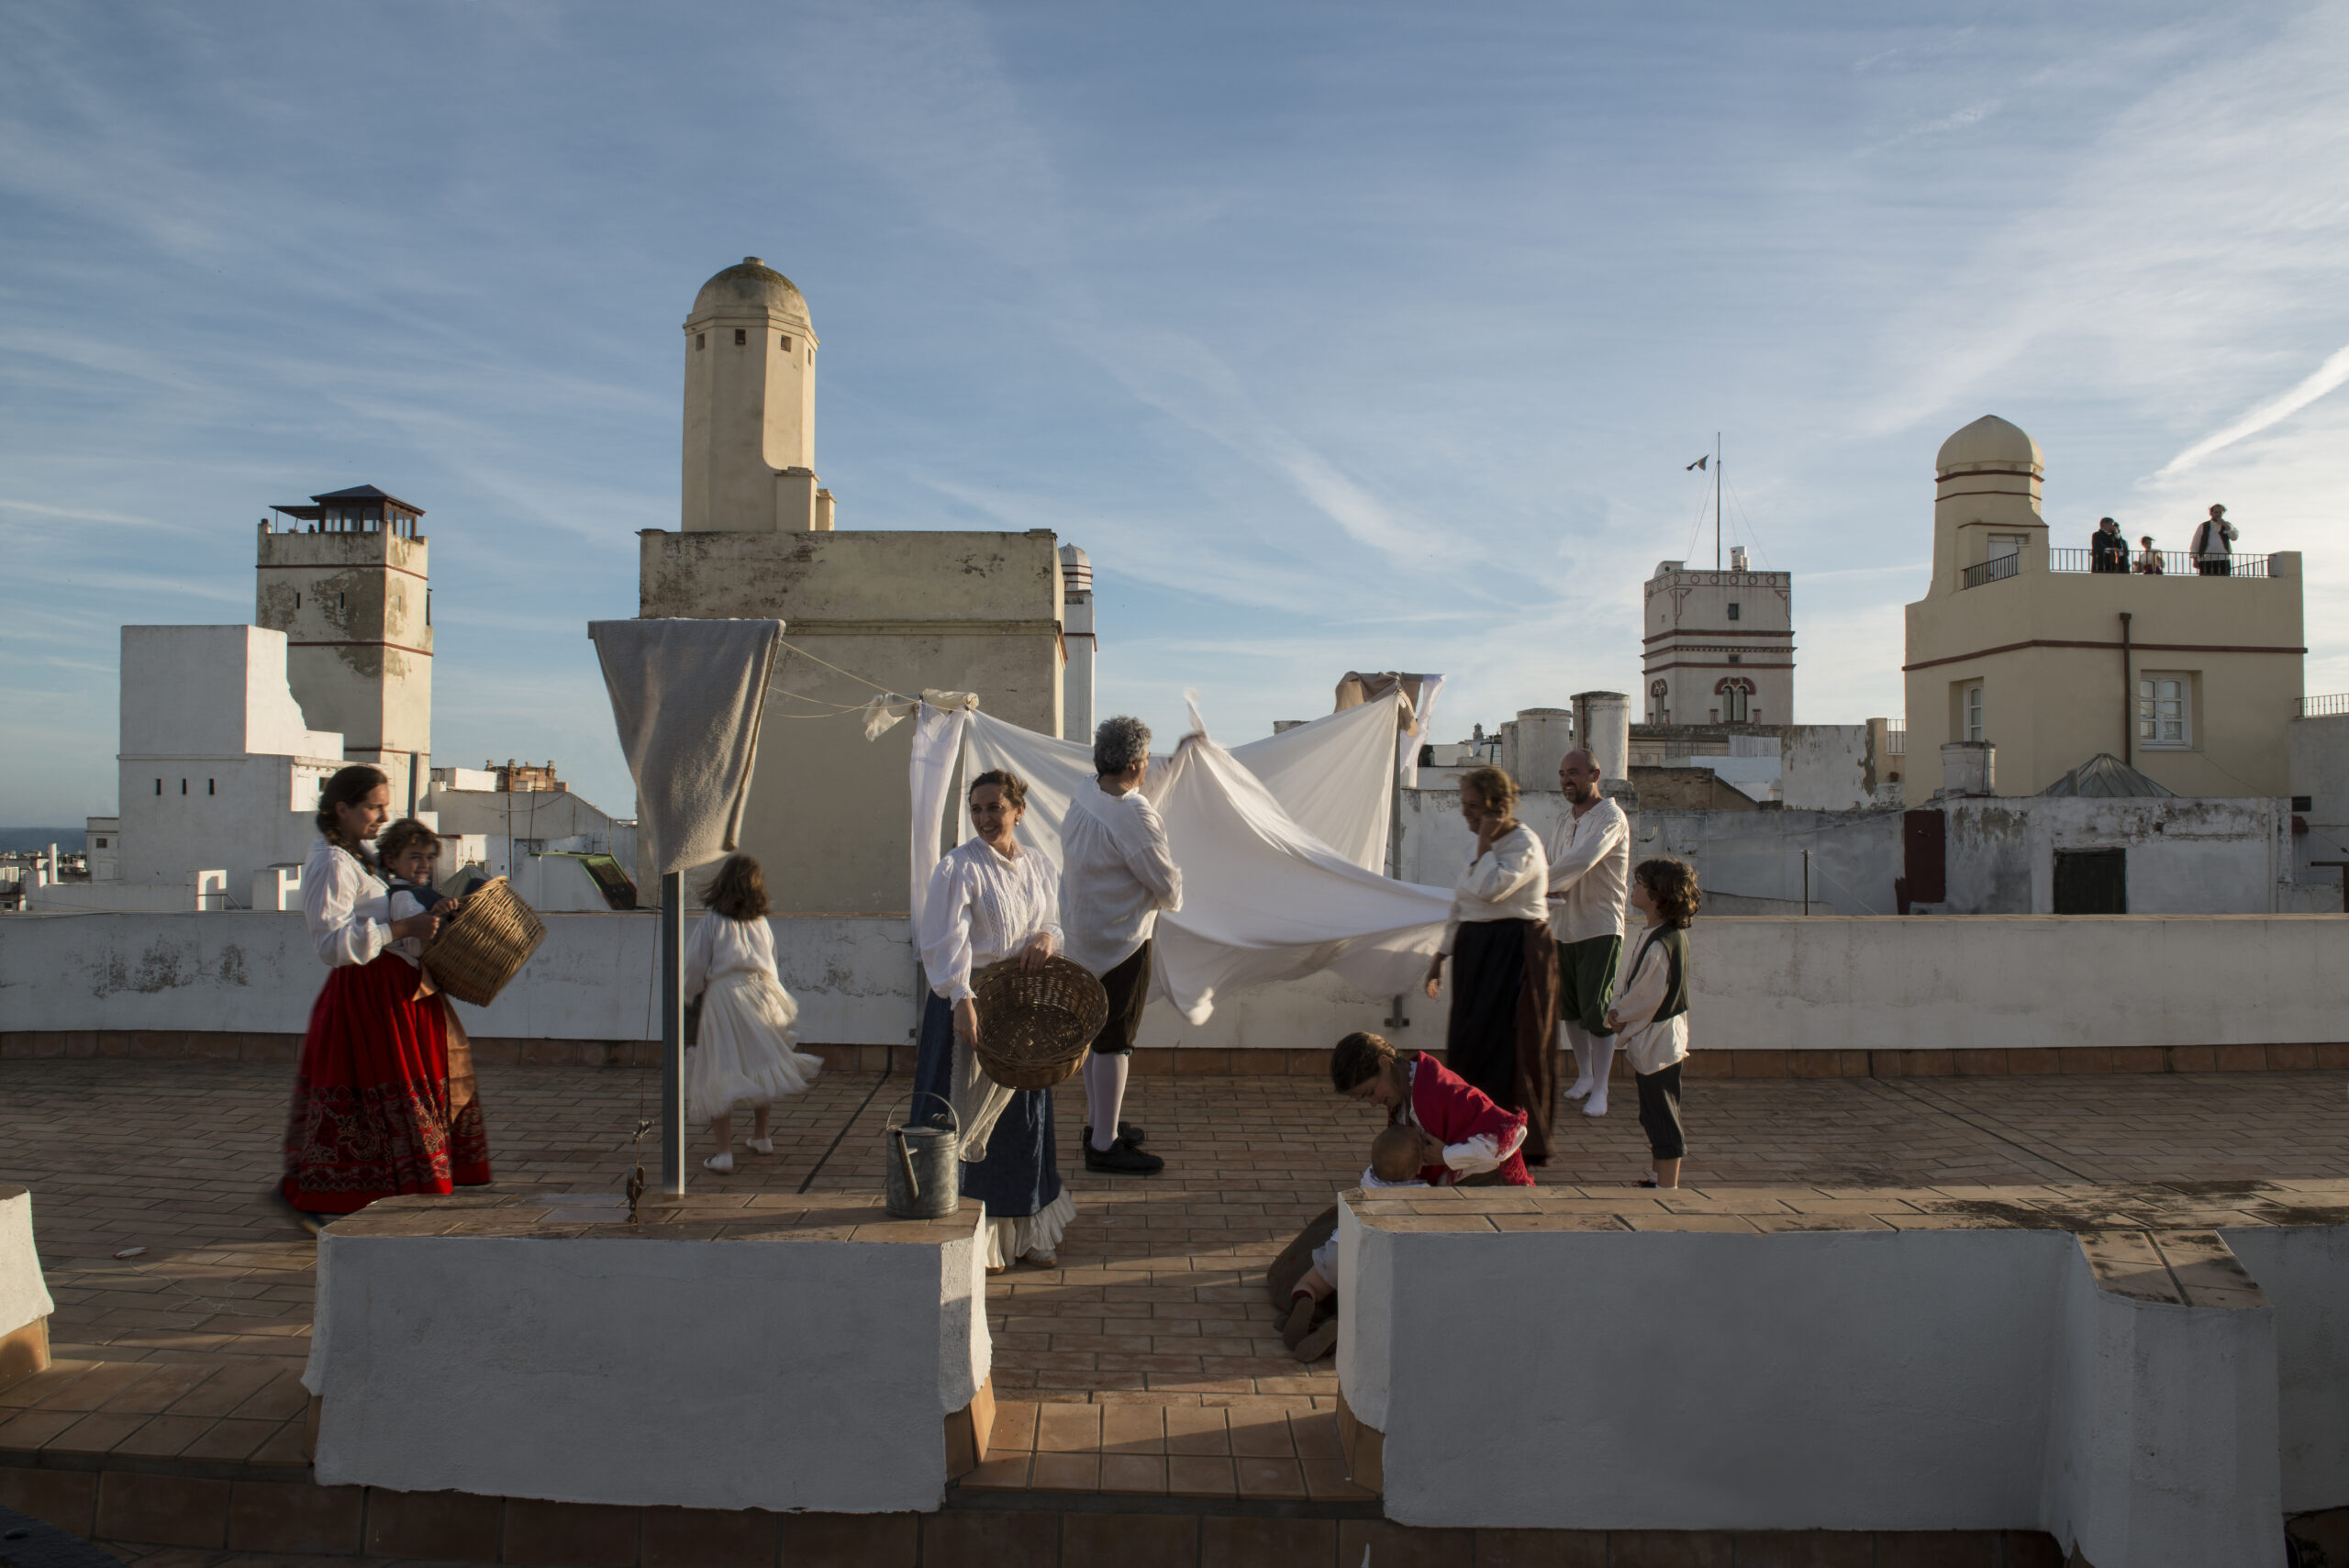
(1344, 336)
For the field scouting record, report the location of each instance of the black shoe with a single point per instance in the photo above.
(1127, 1133)
(1122, 1159)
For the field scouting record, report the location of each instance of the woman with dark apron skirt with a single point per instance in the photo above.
(991, 899)
(1504, 966)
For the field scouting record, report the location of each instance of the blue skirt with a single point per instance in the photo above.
(1021, 1177)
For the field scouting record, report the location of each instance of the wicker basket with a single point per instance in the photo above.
(1034, 1030)
(484, 944)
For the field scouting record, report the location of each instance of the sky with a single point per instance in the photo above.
(1347, 336)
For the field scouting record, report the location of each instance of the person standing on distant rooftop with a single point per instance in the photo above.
(1119, 874)
(1590, 868)
(2149, 561)
(2214, 545)
(2109, 551)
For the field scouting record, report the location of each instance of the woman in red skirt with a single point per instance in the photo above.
(371, 1101)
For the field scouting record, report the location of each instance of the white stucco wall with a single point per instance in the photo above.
(1760, 982)
(1914, 1380)
(2320, 771)
(24, 1294)
(647, 1369)
(2302, 1269)
(2186, 855)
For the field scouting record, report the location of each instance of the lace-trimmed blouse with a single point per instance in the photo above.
(983, 908)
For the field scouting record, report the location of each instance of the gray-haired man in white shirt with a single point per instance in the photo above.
(1117, 874)
(1590, 871)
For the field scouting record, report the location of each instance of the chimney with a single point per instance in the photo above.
(1969, 767)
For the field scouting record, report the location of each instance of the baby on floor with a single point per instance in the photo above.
(1397, 1156)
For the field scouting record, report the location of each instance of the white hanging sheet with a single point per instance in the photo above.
(1264, 896)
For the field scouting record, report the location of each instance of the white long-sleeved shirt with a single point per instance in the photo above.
(983, 908)
(1120, 875)
(1507, 881)
(1590, 873)
(721, 945)
(347, 907)
(1649, 1043)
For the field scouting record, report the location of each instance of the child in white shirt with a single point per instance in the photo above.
(1649, 1014)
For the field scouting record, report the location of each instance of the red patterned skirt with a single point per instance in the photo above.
(372, 1112)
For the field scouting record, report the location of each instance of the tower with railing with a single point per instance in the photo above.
(346, 579)
(2185, 668)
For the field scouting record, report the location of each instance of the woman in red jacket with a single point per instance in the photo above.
(1482, 1142)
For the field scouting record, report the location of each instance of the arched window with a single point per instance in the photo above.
(1659, 697)
(1737, 696)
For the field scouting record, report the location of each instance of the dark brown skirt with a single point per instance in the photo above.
(1504, 1016)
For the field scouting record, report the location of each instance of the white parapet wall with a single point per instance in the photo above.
(1761, 983)
(1783, 1358)
(806, 1353)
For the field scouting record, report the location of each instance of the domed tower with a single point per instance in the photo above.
(1986, 503)
(749, 448)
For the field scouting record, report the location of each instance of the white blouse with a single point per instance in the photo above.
(347, 907)
(1122, 874)
(983, 908)
(1507, 881)
(1649, 1046)
(720, 946)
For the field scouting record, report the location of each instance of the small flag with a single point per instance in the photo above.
(1698, 466)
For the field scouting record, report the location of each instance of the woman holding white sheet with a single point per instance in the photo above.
(992, 898)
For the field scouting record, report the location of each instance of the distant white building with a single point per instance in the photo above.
(218, 775)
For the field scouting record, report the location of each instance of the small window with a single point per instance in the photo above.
(1971, 727)
(183, 787)
(701, 339)
(786, 343)
(297, 599)
(158, 787)
(1732, 610)
(102, 843)
(211, 786)
(2164, 711)
(2299, 803)
(1737, 657)
(741, 335)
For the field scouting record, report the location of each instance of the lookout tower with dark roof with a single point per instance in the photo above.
(345, 579)
(749, 448)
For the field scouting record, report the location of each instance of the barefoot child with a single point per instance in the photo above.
(1651, 1012)
(1397, 1157)
(743, 1053)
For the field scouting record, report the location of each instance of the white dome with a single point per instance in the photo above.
(751, 289)
(1990, 445)
(1076, 570)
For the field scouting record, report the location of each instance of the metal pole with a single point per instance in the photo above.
(1806, 882)
(2128, 698)
(1717, 500)
(672, 1032)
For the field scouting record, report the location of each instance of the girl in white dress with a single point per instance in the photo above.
(742, 1053)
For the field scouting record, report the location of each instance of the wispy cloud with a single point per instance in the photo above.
(2282, 407)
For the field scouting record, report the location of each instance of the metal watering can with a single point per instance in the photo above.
(922, 1177)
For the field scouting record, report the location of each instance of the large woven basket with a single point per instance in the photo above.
(484, 944)
(1034, 1030)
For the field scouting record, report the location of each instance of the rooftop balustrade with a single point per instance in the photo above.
(2142, 564)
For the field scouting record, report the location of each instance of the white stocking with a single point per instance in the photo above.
(1579, 1043)
(1602, 1062)
(1105, 1096)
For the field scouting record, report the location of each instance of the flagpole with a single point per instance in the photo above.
(1717, 500)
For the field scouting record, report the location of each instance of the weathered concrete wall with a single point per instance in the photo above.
(828, 1353)
(355, 610)
(2187, 856)
(953, 611)
(2319, 753)
(1761, 982)
(1861, 1379)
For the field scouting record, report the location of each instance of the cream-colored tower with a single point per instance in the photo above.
(749, 449)
(2021, 645)
(350, 590)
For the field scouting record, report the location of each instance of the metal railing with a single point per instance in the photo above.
(1991, 571)
(2174, 563)
(2324, 706)
(1896, 740)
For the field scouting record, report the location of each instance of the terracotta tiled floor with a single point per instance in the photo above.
(1154, 1326)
